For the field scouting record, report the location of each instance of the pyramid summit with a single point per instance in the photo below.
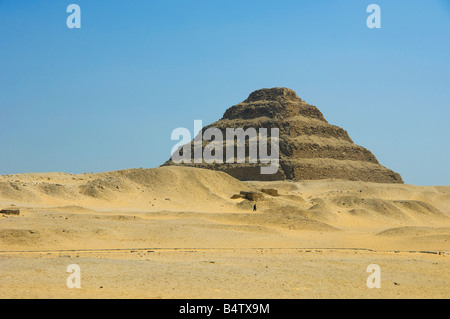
(309, 147)
(278, 93)
(272, 103)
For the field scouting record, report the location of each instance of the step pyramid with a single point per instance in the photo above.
(309, 147)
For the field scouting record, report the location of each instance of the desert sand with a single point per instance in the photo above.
(175, 232)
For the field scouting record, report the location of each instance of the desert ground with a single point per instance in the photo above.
(175, 232)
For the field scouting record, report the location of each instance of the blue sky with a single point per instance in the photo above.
(107, 96)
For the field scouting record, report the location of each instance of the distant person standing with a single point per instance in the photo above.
(254, 208)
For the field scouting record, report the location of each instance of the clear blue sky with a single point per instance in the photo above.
(107, 96)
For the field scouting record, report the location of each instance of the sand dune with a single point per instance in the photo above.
(111, 222)
(148, 189)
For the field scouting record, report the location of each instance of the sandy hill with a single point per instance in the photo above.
(310, 147)
(145, 189)
(332, 204)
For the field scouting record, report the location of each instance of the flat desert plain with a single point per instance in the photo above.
(175, 232)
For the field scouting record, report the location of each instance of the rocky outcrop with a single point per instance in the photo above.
(270, 191)
(10, 212)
